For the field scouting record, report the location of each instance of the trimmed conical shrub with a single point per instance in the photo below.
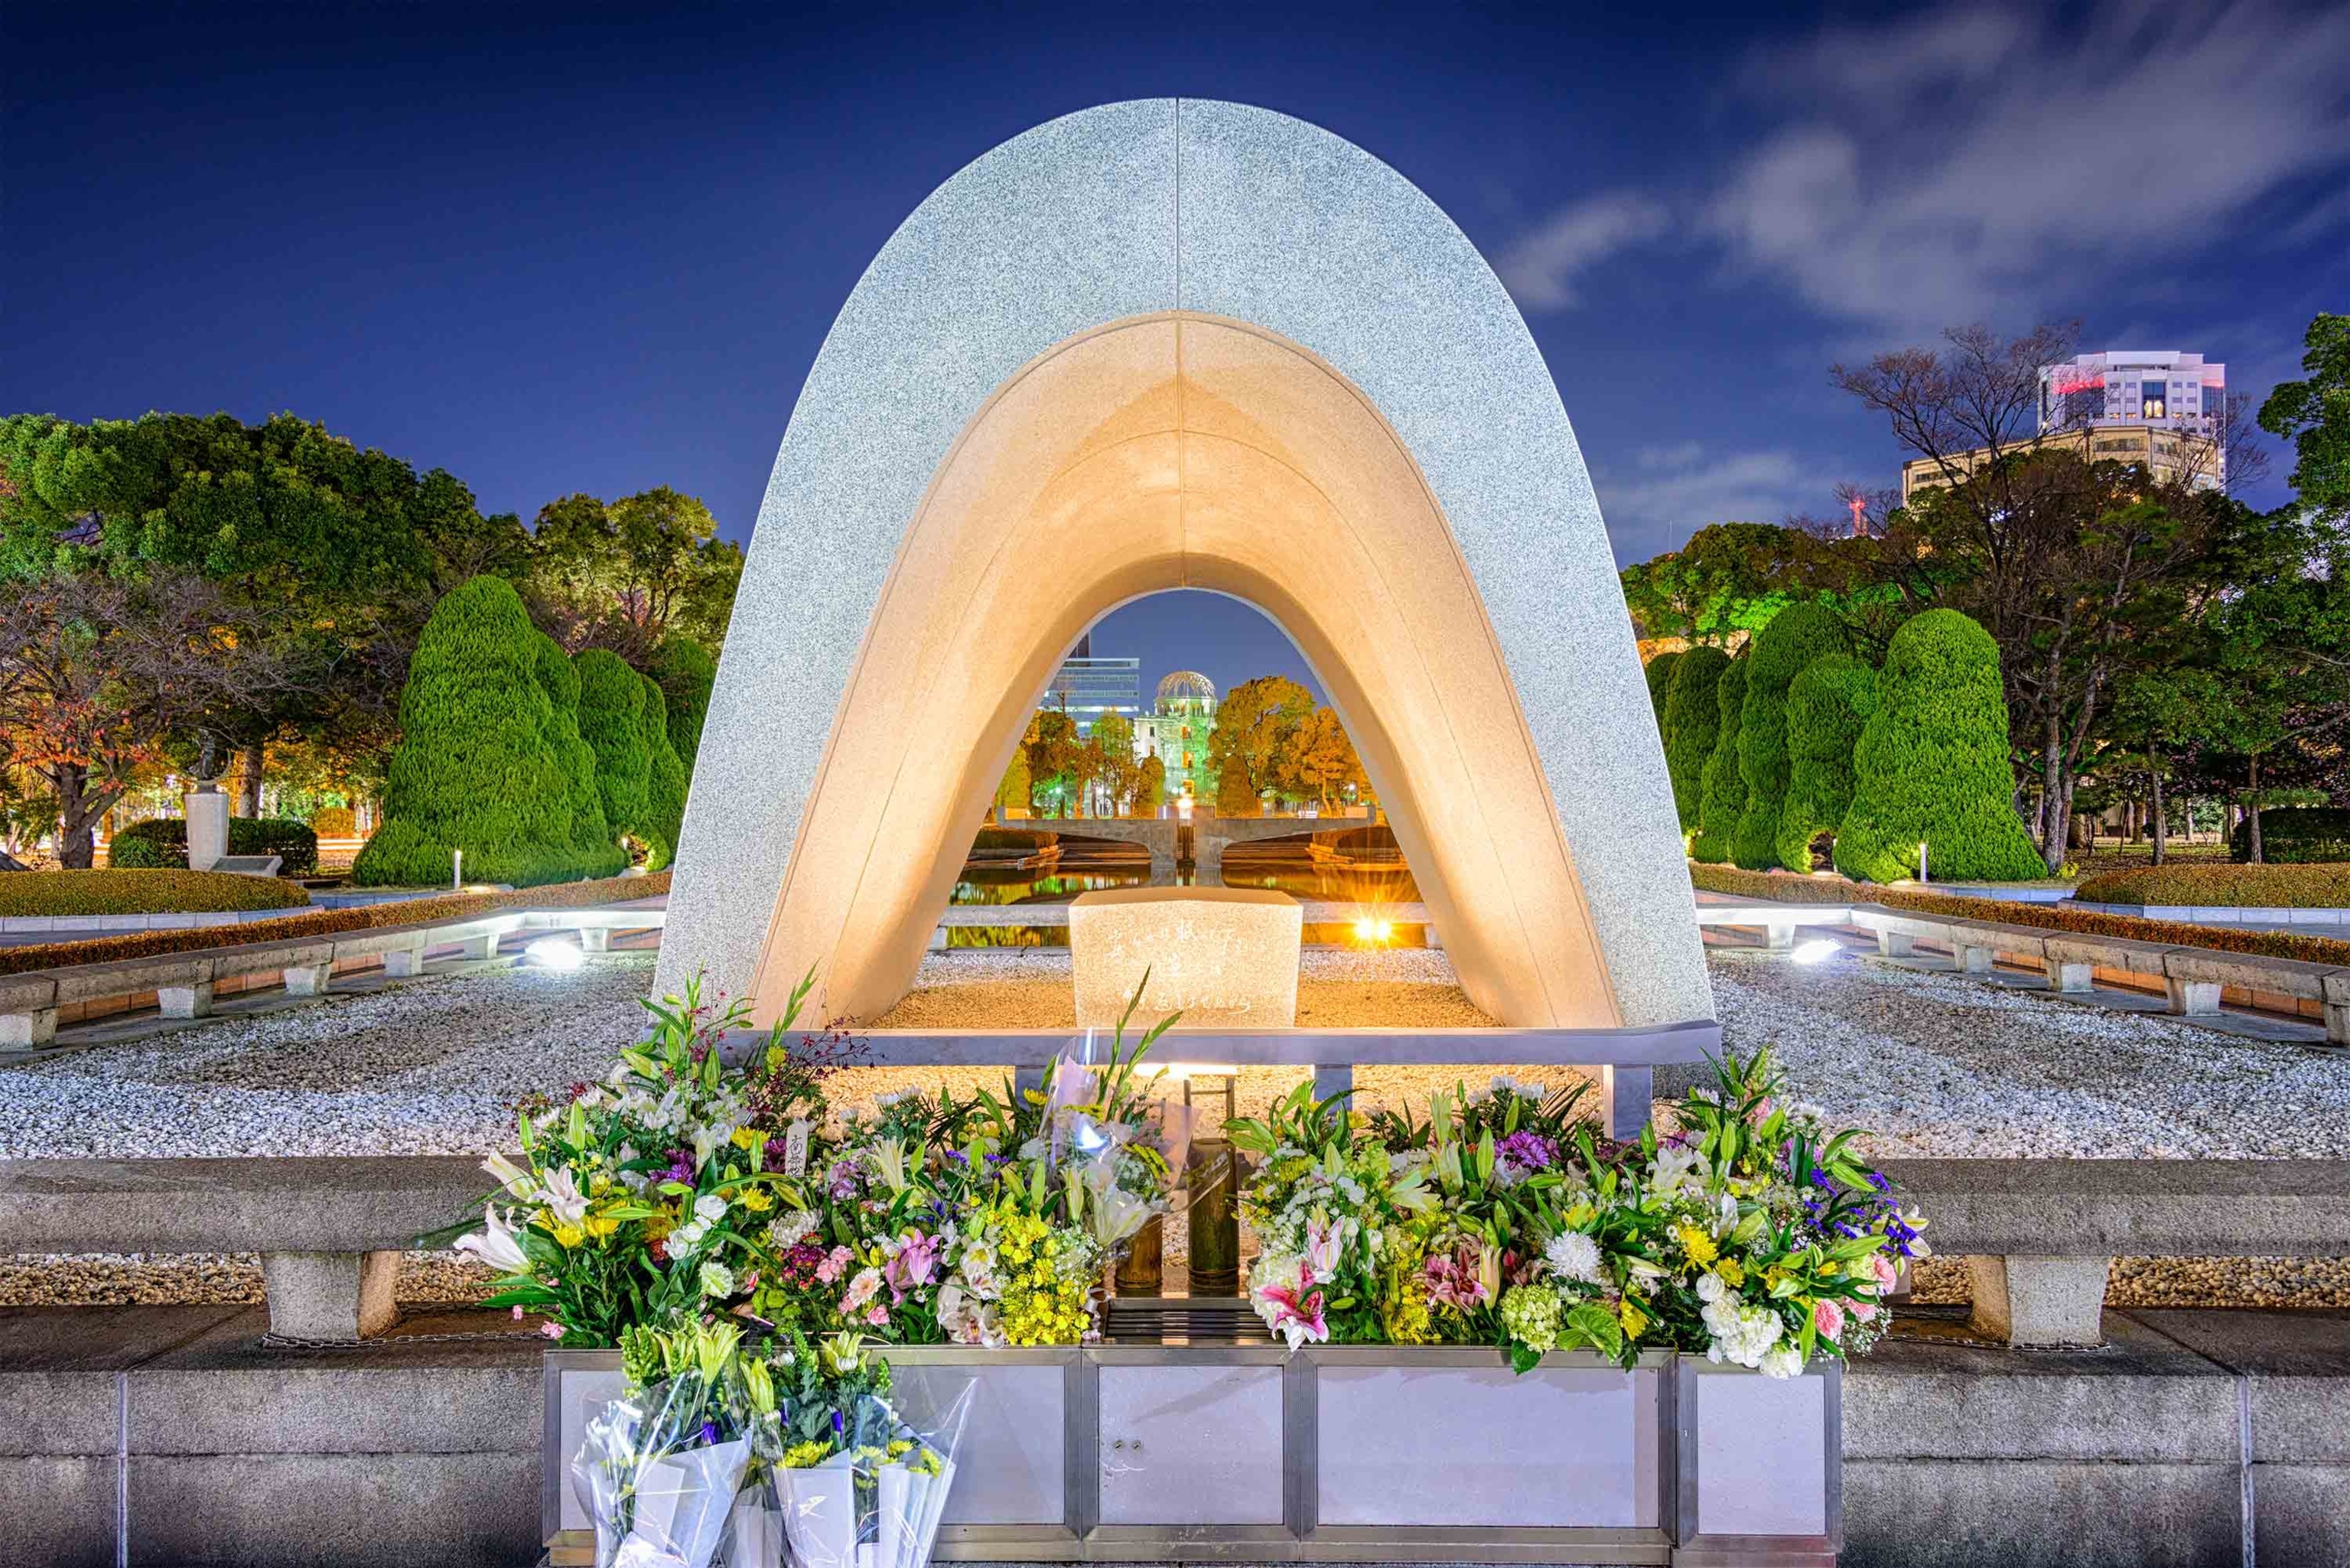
(686, 675)
(1725, 786)
(1797, 636)
(611, 704)
(1660, 674)
(594, 844)
(477, 768)
(1932, 764)
(664, 780)
(1692, 724)
(1826, 707)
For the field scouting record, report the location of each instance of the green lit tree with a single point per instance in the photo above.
(664, 779)
(1724, 785)
(1796, 637)
(612, 707)
(1931, 766)
(1692, 725)
(1827, 706)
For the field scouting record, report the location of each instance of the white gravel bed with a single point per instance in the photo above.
(431, 1067)
(1938, 1063)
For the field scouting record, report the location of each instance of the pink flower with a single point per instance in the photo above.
(916, 1262)
(518, 1315)
(1294, 1320)
(1887, 1276)
(878, 1315)
(1451, 1278)
(1865, 1311)
(836, 1262)
(1827, 1316)
(552, 1330)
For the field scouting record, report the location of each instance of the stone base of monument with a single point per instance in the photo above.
(1342, 1453)
(1222, 957)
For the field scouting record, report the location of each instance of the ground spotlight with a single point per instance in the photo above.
(1369, 930)
(1819, 949)
(556, 953)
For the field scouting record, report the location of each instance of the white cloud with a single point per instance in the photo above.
(1539, 267)
(1679, 490)
(1969, 164)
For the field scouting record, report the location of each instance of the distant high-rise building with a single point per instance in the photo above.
(1085, 688)
(1175, 731)
(2163, 411)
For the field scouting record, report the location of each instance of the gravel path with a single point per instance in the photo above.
(1935, 1064)
(433, 1067)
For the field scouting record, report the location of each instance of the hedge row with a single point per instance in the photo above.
(143, 892)
(1783, 650)
(2295, 835)
(1785, 888)
(162, 843)
(325, 922)
(1722, 786)
(2261, 887)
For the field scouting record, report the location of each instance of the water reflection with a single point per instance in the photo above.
(1287, 869)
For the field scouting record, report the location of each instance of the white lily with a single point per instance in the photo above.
(518, 1182)
(563, 1198)
(496, 1245)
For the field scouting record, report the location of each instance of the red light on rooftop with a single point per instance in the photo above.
(2088, 384)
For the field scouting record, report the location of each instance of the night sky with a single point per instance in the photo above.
(560, 248)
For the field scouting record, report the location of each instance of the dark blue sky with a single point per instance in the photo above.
(558, 248)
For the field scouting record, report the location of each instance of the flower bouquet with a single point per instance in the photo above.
(861, 1485)
(662, 1466)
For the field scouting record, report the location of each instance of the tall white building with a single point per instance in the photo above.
(2134, 387)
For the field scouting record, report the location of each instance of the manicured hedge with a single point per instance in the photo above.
(324, 922)
(1796, 637)
(611, 708)
(1932, 764)
(1725, 786)
(1013, 840)
(1786, 887)
(162, 843)
(334, 821)
(686, 674)
(2295, 835)
(1692, 724)
(119, 892)
(2258, 887)
(477, 768)
(1659, 673)
(1827, 707)
(664, 779)
(595, 846)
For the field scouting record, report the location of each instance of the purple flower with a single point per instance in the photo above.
(1528, 1151)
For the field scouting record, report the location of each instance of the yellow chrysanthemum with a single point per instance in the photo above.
(1732, 1272)
(569, 1235)
(1629, 1313)
(1696, 1244)
(756, 1199)
(748, 1139)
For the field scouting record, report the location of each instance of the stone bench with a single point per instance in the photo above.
(2040, 1235)
(330, 1230)
(1778, 921)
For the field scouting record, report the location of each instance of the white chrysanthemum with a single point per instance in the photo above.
(717, 1280)
(1571, 1255)
(1783, 1361)
(1709, 1288)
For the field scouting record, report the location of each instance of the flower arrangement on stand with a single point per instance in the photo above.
(1750, 1235)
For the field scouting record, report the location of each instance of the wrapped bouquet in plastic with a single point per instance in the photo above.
(662, 1466)
(864, 1482)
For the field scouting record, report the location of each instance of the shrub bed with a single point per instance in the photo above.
(140, 892)
(1017, 840)
(325, 922)
(1790, 889)
(2295, 835)
(161, 843)
(2239, 886)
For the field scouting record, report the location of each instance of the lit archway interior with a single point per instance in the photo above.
(1168, 451)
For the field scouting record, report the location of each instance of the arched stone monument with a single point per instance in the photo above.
(1183, 344)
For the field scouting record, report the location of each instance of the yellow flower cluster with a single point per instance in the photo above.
(1403, 1306)
(1696, 1245)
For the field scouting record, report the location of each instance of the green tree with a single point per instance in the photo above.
(664, 779)
(1730, 578)
(594, 847)
(476, 769)
(1011, 794)
(1798, 635)
(1827, 706)
(1724, 788)
(2314, 415)
(611, 708)
(1150, 792)
(1693, 723)
(686, 673)
(1054, 762)
(1931, 766)
(1254, 741)
(1659, 674)
(1322, 765)
(629, 574)
(1111, 760)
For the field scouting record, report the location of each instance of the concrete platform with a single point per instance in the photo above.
(2191, 1438)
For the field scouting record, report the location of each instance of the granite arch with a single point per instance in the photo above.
(1164, 344)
